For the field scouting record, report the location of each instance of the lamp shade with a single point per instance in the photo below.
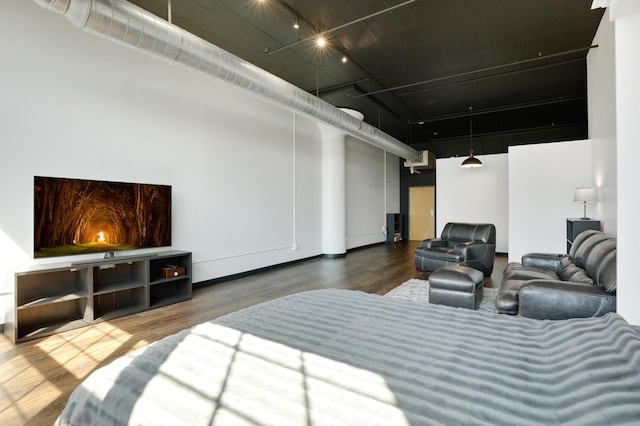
(471, 162)
(585, 194)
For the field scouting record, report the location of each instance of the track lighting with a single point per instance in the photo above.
(320, 40)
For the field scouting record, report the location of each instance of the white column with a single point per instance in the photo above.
(334, 211)
(334, 189)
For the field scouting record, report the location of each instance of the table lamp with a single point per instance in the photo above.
(584, 195)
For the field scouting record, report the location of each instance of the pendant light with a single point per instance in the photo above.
(472, 161)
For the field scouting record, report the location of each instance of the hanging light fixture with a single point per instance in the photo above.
(296, 24)
(472, 161)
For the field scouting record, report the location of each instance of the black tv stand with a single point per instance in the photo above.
(53, 298)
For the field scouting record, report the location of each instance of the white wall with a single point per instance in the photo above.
(542, 181)
(366, 186)
(393, 183)
(246, 175)
(601, 101)
(78, 106)
(614, 90)
(627, 74)
(474, 195)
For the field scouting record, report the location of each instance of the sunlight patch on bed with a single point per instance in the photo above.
(253, 380)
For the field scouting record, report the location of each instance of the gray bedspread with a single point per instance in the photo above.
(342, 357)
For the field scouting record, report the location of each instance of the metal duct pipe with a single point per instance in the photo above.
(123, 22)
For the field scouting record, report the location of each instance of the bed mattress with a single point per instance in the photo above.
(346, 357)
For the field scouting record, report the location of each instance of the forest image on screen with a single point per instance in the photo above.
(75, 216)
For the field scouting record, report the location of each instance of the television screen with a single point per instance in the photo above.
(77, 216)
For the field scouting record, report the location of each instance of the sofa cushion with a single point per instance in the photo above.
(517, 271)
(569, 271)
(597, 256)
(441, 253)
(607, 278)
(529, 274)
(483, 233)
(583, 244)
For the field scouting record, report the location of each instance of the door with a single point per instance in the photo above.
(422, 219)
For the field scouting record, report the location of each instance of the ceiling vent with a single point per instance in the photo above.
(426, 161)
(128, 24)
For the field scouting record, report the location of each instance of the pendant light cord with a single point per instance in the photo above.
(471, 129)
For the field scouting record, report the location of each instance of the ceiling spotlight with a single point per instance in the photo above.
(321, 41)
(344, 59)
(296, 24)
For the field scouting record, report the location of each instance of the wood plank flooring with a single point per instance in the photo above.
(37, 377)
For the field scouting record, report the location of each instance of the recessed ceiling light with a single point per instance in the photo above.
(321, 41)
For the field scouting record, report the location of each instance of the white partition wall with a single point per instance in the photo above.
(614, 89)
(601, 97)
(627, 39)
(474, 195)
(542, 181)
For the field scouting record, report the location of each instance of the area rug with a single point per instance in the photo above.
(418, 291)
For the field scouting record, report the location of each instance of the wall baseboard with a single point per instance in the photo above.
(232, 277)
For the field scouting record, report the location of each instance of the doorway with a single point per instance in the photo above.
(422, 219)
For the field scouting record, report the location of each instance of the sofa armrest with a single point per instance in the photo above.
(555, 300)
(474, 250)
(478, 255)
(549, 261)
(433, 242)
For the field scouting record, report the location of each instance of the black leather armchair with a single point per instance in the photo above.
(466, 244)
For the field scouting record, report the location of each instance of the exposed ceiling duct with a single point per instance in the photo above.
(123, 22)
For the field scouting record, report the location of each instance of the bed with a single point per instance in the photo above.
(344, 357)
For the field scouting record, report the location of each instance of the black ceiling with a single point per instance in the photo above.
(415, 67)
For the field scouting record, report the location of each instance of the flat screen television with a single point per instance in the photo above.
(79, 216)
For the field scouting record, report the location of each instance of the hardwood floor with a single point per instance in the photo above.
(37, 377)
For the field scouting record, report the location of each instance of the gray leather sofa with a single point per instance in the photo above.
(466, 244)
(556, 286)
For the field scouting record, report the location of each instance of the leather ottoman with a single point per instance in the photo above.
(456, 285)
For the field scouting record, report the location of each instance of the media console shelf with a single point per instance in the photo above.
(54, 298)
(166, 290)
